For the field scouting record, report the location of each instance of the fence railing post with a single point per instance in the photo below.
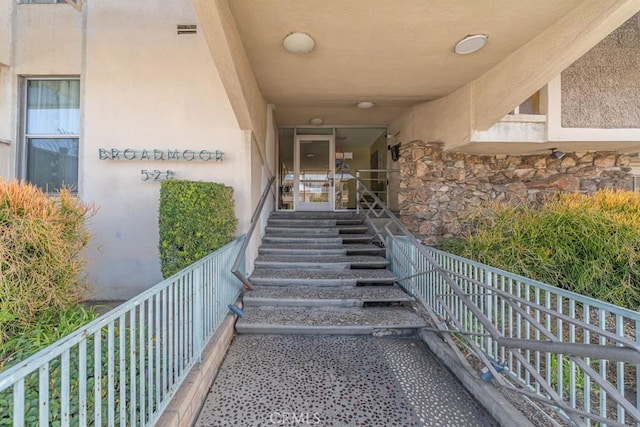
(489, 308)
(198, 310)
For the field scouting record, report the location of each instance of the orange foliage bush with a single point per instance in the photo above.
(41, 240)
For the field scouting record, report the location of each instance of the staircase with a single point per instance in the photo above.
(318, 273)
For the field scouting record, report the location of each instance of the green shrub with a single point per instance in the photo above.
(43, 334)
(586, 244)
(196, 218)
(48, 329)
(40, 262)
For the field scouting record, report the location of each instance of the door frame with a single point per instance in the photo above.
(297, 205)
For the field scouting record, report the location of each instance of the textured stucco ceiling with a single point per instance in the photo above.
(396, 53)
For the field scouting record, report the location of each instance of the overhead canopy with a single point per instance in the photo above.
(397, 53)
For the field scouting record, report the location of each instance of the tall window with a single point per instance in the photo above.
(52, 127)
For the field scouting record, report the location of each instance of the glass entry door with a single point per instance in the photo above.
(314, 172)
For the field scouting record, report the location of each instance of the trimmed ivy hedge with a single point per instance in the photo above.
(196, 218)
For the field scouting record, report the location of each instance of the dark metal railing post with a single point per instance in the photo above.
(235, 269)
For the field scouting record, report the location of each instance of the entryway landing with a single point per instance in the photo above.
(336, 381)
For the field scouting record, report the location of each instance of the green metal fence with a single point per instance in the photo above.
(123, 368)
(573, 356)
(572, 353)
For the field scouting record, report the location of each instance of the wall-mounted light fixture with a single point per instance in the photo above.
(395, 152)
(557, 154)
(316, 121)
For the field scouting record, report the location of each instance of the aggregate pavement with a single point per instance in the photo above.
(268, 380)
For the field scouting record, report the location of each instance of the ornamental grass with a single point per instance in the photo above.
(589, 244)
(41, 240)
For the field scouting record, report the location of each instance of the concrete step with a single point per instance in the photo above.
(291, 222)
(322, 231)
(338, 229)
(302, 239)
(309, 296)
(309, 222)
(315, 215)
(295, 249)
(285, 249)
(330, 321)
(282, 277)
(321, 262)
(353, 229)
(316, 239)
(356, 238)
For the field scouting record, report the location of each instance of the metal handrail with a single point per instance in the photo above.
(235, 269)
(385, 191)
(385, 210)
(391, 216)
(138, 354)
(378, 170)
(471, 308)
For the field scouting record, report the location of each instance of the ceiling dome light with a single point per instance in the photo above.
(365, 104)
(316, 121)
(470, 44)
(298, 43)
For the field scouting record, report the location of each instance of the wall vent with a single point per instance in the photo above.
(187, 29)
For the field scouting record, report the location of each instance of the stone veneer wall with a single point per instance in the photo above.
(436, 187)
(602, 88)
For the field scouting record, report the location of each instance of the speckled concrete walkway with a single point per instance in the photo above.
(269, 380)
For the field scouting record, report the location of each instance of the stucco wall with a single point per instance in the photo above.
(438, 187)
(7, 90)
(446, 119)
(39, 40)
(481, 103)
(148, 88)
(143, 87)
(7, 131)
(43, 39)
(48, 40)
(6, 33)
(602, 88)
(219, 27)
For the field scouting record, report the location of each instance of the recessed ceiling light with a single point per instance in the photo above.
(365, 104)
(316, 121)
(298, 43)
(310, 155)
(470, 44)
